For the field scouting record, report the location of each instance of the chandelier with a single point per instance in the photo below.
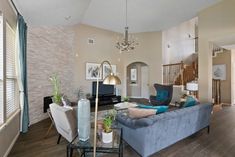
(128, 43)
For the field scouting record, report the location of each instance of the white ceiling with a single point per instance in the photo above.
(143, 15)
(52, 12)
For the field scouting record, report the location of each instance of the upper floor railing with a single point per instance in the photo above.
(180, 73)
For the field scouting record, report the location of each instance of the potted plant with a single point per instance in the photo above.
(57, 96)
(107, 133)
(126, 99)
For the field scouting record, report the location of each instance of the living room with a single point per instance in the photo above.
(63, 38)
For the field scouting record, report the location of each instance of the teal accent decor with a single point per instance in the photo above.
(160, 109)
(162, 95)
(22, 30)
(190, 101)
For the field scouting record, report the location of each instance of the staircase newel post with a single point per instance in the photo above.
(182, 73)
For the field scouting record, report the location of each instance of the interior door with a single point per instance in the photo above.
(145, 82)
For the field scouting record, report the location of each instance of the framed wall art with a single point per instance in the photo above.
(107, 70)
(219, 71)
(92, 70)
(133, 74)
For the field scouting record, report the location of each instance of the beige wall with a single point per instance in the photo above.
(214, 23)
(148, 51)
(233, 76)
(65, 50)
(9, 132)
(9, 14)
(225, 58)
(177, 46)
(102, 49)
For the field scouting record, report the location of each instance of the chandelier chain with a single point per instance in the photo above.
(128, 43)
(126, 13)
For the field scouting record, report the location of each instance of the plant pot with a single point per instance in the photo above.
(107, 137)
(126, 103)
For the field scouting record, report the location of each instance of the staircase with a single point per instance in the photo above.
(180, 73)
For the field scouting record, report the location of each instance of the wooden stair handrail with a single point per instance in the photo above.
(185, 74)
(181, 63)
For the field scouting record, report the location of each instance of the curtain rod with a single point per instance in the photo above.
(15, 7)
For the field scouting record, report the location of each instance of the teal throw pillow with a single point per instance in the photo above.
(160, 109)
(190, 101)
(162, 95)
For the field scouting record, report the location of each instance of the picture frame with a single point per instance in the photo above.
(107, 70)
(92, 70)
(219, 71)
(133, 74)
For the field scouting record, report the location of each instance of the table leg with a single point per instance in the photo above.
(69, 151)
(121, 151)
(82, 153)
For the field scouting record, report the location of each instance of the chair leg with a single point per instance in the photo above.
(58, 141)
(49, 129)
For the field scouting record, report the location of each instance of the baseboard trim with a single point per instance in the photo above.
(11, 145)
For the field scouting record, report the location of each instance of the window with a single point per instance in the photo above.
(11, 105)
(8, 81)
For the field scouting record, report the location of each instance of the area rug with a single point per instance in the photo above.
(100, 114)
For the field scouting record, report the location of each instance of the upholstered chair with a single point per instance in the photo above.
(65, 121)
(163, 96)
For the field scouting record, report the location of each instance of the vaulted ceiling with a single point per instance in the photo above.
(143, 15)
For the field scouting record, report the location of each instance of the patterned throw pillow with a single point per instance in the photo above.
(141, 112)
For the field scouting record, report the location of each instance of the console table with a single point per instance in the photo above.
(106, 100)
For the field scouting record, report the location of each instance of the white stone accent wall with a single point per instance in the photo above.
(50, 50)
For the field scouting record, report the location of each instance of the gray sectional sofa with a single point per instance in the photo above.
(151, 134)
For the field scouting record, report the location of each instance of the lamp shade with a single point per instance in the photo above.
(111, 79)
(192, 86)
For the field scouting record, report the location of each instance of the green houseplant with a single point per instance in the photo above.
(107, 134)
(126, 99)
(57, 96)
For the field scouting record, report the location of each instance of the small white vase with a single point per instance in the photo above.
(107, 137)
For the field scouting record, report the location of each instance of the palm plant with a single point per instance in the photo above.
(57, 96)
(108, 121)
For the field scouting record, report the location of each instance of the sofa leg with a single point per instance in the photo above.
(208, 129)
(58, 141)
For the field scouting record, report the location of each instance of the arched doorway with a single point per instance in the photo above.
(137, 80)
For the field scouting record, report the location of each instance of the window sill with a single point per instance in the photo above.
(2, 126)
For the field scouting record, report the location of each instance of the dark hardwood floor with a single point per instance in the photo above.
(219, 143)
